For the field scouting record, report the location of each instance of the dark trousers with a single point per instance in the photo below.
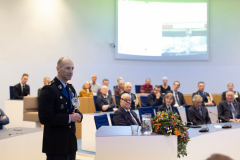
(61, 156)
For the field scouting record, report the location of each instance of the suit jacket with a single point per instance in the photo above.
(180, 98)
(195, 117)
(153, 101)
(99, 93)
(133, 97)
(164, 107)
(3, 121)
(235, 99)
(39, 91)
(205, 100)
(122, 118)
(54, 108)
(225, 113)
(105, 101)
(17, 91)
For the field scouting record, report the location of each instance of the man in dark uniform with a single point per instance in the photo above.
(58, 115)
(207, 97)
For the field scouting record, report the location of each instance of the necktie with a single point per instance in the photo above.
(169, 108)
(176, 97)
(233, 110)
(200, 112)
(134, 120)
(69, 97)
(23, 90)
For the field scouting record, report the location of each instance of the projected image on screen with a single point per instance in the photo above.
(161, 29)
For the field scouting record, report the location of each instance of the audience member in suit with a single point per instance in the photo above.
(207, 97)
(105, 102)
(198, 114)
(94, 85)
(104, 83)
(46, 80)
(147, 87)
(134, 100)
(120, 88)
(236, 94)
(21, 89)
(155, 98)
(118, 80)
(229, 111)
(4, 120)
(168, 104)
(86, 91)
(178, 96)
(124, 116)
(164, 86)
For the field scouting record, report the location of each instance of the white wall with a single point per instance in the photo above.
(34, 34)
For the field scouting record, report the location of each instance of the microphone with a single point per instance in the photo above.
(224, 126)
(204, 129)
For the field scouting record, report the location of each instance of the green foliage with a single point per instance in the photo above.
(167, 123)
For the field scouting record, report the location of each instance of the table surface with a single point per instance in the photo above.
(108, 131)
(9, 133)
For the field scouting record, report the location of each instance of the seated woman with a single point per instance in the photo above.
(3, 119)
(168, 104)
(86, 91)
(230, 87)
(164, 86)
(120, 88)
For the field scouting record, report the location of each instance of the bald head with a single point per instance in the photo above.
(94, 78)
(65, 68)
(125, 101)
(46, 80)
(104, 90)
(128, 87)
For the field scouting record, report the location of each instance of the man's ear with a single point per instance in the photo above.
(57, 68)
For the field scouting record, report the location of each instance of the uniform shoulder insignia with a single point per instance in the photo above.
(50, 83)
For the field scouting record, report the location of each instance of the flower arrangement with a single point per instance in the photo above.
(168, 123)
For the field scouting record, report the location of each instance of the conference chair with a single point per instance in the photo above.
(95, 102)
(101, 120)
(137, 88)
(186, 111)
(116, 97)
(143, 100)
(1, 127)
(11, 92)
(115, 87)
(111, 117)
(144, 110)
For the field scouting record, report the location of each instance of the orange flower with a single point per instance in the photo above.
(176, 132)
(172, 116)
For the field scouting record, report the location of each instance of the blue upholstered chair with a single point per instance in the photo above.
(115, 87)
(1, 127)
(11, 92)
(95, 102)
(111, 117)
(143, 110)
(143, 100)
(186, 111)
(101, 120)
(137, 88)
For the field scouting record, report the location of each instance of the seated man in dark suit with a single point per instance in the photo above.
(155, 98)
(236, 94)
(124, 116)
(207, 97)
(46, 80)
(104, 83)
(198, 114)
(178, 96)
(168, 104)
(134, 100)
(21, 89)
(229, 111)
(3, 118)
(105, 102)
